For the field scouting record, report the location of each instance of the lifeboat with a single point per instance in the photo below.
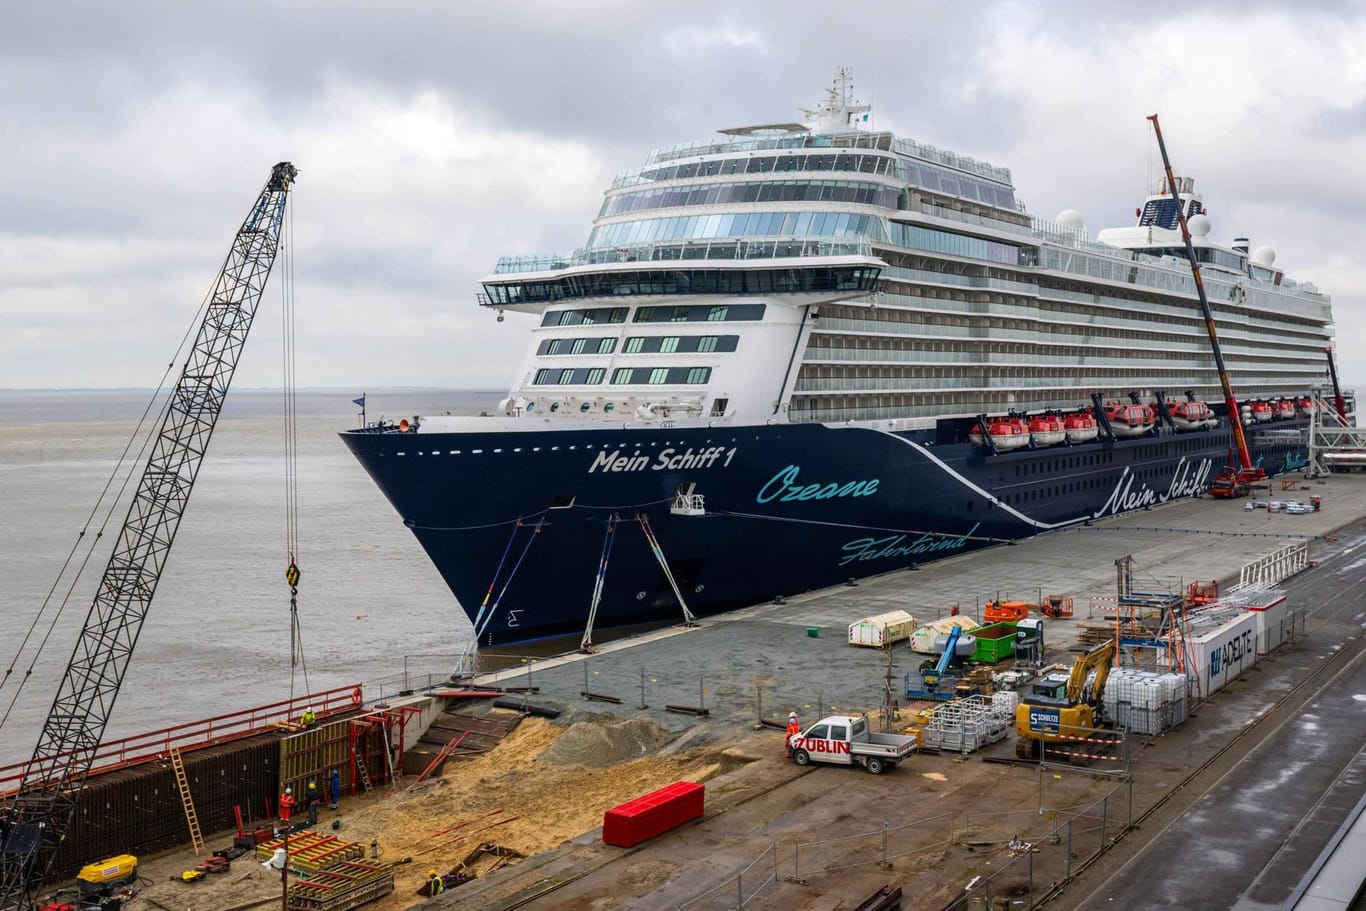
(1081, 427)
(1006, 433)
(1130, 420)
(1261, 411)
(1187, 416)
(1285, 409)
(1046, 430)
(1305, 405)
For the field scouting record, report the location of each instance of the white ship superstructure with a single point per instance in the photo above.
(880, 279)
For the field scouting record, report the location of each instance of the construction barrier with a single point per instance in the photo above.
(652, 814)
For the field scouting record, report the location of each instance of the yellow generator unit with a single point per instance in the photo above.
(103, 876)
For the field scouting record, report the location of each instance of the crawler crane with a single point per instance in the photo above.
(46, 801)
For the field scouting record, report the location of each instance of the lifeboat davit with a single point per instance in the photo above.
(1006, 433)
(1187, 416)
(1285, 410)
(1130, 420)
(1261, 411)
(1046, 430)
(1081, 427)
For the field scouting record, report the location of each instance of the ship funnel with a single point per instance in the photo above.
(1242, 245)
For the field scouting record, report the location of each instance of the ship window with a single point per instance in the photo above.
(584, 408)
(606, 345)
(707, 343)
(698, 375)
(579, 345)
(669, 344)
(633, 345)
(566, 377)
(716, 313)
(609, 408)
(659, 376)
(595, 376)
(621, 376)
(679, 315)
(542, 376)
(718, 407)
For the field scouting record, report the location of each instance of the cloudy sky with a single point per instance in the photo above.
(433, 137)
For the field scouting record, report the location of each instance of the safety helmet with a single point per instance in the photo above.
(792, 715)
(431, 872)
(289, 790)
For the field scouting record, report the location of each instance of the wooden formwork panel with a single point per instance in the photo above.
(313, 754)
(341, 891)
(312, 851)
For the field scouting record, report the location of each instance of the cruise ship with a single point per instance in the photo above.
(802, 353)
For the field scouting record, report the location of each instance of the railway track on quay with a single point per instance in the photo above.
(1091, 873)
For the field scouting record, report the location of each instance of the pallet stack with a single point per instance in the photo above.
(334, 874)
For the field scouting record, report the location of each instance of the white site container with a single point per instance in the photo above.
(922, 640)
(1222, 654)
(883, 629)
(1272, 623)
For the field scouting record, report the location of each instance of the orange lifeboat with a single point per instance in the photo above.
(1193, 416)
(1261, 411)
(1128, 420)
(1305, 405)
(1006, 433)
(1080, 427)
(1285, 409)
(1046, 430)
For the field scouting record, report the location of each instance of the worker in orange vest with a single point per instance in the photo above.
(792, 728)
(286, 804)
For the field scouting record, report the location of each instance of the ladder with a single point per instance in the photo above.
(183, 782)
(364, 772)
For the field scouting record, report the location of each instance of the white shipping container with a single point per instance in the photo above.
(1222, 654)
(1272, 624)
(878, 631)
(922, 640)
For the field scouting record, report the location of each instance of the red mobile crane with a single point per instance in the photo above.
(45, 804)
(1230, 482)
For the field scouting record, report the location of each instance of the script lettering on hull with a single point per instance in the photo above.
(783, 487)
(863, 549)
(1189, 479)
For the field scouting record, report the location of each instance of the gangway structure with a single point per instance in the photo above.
(1333, 443)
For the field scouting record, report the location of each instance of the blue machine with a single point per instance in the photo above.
(933, 680)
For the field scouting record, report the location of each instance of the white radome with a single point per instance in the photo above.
(1071, 218)
(1264, 256)
(1199, 225)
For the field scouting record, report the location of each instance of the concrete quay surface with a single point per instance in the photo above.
(763, 662)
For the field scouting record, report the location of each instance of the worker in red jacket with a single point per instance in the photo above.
(792, 728)
(286, 805)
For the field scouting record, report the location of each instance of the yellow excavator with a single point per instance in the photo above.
(1062, 706)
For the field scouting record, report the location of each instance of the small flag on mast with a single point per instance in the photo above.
(360, 401)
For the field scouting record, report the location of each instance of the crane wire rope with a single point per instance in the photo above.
(298, 664)
(123, 466)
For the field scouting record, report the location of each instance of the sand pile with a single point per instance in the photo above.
(597, 744)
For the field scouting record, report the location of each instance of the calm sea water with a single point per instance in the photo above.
(216, 638)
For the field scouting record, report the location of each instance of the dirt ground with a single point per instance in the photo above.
(541, 786)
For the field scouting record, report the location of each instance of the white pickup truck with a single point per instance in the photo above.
(845, 739)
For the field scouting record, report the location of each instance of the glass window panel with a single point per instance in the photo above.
(659, 375)
(621, 376)
(669, 344)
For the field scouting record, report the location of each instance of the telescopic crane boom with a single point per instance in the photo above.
(46, 801)
(1246, 472)
(1339, 402)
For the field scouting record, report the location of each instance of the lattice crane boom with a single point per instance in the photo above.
(46, 802)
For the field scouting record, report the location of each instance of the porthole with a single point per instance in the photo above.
(584, 407)
(609, 407)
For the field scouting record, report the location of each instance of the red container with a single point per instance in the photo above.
(652, 814)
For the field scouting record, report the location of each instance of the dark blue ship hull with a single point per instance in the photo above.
(516, 521)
